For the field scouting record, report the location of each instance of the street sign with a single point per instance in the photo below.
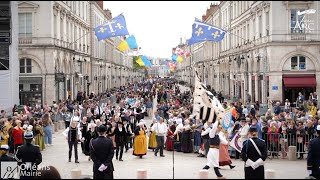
(59, 77)
(275, 88)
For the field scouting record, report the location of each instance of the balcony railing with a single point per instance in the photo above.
(25, 40)
(298, 36)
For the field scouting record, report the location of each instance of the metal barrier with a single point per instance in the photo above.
(278, 144)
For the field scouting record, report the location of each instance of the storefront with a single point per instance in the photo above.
(293, 84)
(30, 90)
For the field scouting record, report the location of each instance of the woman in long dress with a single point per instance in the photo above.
(91, 134)
(224, 157)
(186, 142)
(152, 138)
(140, 141)
(170, 137)
(197, 135)
(39, 140)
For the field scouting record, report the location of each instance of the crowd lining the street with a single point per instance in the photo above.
(123, 111)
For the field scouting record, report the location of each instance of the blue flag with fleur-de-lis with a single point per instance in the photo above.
(114, 27)
(205, 32)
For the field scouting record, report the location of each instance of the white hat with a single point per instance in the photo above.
(76, 119)
(318, 128)
(4, 147)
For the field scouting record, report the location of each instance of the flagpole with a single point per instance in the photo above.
(78, 39)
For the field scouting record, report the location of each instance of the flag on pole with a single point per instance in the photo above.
(206, 106)
(140, 62)
(205, 32)
(236, 142)
(129, 43)
(114, 27)
(146, 61)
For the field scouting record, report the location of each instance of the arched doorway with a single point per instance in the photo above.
(298, 77)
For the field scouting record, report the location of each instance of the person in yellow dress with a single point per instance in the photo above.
(152, 138)
(140, 141)
(39, 140)
(4, 136)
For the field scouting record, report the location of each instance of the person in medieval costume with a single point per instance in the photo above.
(213, 154)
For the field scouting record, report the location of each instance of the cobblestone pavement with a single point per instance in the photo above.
(185, 165)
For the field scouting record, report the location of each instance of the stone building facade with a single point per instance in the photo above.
(59, 54)
(271, 50)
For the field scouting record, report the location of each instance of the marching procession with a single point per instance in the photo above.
(174, 128)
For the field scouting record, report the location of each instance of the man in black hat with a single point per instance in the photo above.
(128, 130)
(313, 160)
(101, 153)
(120, 139)
(254, 153)
(29, 156)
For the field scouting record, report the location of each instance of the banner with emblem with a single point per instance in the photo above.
(236, 142)
(226, 122)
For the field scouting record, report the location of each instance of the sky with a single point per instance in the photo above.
(158, 25)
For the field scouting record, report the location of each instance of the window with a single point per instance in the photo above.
(35, 87)
(25, 65)
(55, 26)
(297, 21)
(254, 28)
(20, 87)
(25, 25)
(298, 63)
(267, 23)
(260, 26)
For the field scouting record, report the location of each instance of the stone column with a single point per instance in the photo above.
(256, 81)
(250, 85)
(72, 86)
(318, 86)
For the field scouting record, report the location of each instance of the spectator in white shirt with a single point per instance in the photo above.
(161, 129)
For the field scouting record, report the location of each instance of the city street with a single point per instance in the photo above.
(186, 165)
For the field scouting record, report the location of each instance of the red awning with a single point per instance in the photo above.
(300, 81)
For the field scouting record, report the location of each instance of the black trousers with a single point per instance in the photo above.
(67, 124)
(258, 173)
(75, 145)
(120, 147)
(126, 143)
(206, 146)
(102, 175)
(316, 173)
(160, 144)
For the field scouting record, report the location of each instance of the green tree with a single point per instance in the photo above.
(136, 66)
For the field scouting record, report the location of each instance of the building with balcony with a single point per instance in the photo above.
(59, 54)
(271, 49)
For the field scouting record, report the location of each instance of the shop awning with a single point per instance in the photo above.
(300, 81)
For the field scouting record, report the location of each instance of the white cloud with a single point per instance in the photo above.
(158, 25)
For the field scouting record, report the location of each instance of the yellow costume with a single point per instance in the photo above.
(140, 143)
(152, 141)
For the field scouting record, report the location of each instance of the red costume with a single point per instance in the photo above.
(169, 143)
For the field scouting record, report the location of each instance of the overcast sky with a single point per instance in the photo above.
(158, 25)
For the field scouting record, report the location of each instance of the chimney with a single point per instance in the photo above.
(204, 17)
(108, 13)
(100, 3)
